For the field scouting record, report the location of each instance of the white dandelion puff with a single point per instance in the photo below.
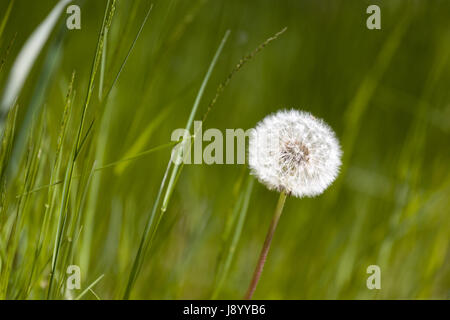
(296, 154)
(291, 151)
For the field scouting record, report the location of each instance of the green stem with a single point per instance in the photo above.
(266, 246)
(143, 245)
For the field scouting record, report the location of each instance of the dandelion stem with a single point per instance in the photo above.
(266, 246)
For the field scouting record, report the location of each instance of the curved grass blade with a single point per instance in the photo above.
(26, 58)
(50, 65)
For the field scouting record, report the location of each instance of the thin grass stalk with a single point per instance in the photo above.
(89, 288)
(143, 243)
(100, 152)
(51, 196)
(243, 209)
(7, 142)
(106, 166)
(8, 50)
(5, 19)
(124, 62)
(12, 242)
(171, 184)
(109, 13)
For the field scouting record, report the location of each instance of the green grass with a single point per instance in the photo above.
(84, 172)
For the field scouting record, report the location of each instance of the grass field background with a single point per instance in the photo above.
(385, 93)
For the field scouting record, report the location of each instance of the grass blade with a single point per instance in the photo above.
(99, 156)
(76, 149)
(242, 206)
(5, 18)
(50, 65)
(145, 237)
(171, 184)
(81, 295)
(26, 58)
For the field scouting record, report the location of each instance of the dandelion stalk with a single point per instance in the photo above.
(266, 246)
(296, 154)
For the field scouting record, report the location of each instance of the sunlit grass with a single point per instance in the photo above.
(85, 170)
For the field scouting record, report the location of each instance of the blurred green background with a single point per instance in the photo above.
(385, 93)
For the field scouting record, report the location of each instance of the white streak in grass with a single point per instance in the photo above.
(27, 56)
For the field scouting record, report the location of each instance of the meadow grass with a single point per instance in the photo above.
(85, 171)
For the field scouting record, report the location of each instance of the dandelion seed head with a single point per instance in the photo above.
(294, 152)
